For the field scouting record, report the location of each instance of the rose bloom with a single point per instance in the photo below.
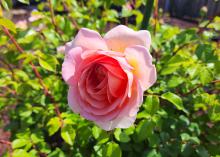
(108, 76)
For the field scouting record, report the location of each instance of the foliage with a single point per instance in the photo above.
(180, 114)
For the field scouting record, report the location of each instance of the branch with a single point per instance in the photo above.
(206, 26)
(179, 48)
(70, 17)
(198, 86)
(9, 146)
(53, 18)
(5, 142)
(156, 17)
(37, 74)
(5, 30)
(9, 67)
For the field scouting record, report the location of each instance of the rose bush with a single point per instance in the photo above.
(107, 76)
(180, 113)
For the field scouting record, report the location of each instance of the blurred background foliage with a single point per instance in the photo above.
(180, 115)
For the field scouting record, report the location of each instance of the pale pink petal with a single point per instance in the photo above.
(73, 96)
(91, 60)
(69, 66)
(130, 81)
(61, 49)
(111, 115)
(121, 37)
(141, 60)
(88, 53)
(89, 39)
(68, 46)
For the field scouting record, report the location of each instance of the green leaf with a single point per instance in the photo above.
(217, 67)
(30, 37)
(125, 12)
(205, 53)
(103, 137)
(174, 99)
(24, 1)
(119, 2)
(153, 153)
(186, 137)
(57, 153)
(214, 113)
(51, 36)
(96, 132)
(175, 81)
(48, 62)
(144, 130)
(205, 75)
(37, 137)
(112, 150)
(20, 152)
(121, 136)
(202, 152)
(169, 70)
(5, 4)
(194, 70)
(152, 104)
(68, 134)
(186, 36)
(130, 130)
(177, 60)
(19, 143)
(54, 124)
(154, 140)
(8, 24)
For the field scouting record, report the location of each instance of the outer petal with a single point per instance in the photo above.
(121, 37)
(73, 101)
(71, 61)
(89, 39)
(141, 60)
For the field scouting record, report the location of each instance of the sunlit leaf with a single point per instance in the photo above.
(8, 24)
(112, 150)
(68, 134)
(174, 99)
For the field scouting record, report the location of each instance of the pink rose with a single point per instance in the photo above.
(108, 76)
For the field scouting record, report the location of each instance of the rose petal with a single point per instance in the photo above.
(121, 37)
(141, 60)
(86, 96)
(89, 39)
(107, 118)
(128, 114)
(124, 66)
(91, 105)
(73, 101)
(69, 66)
(116, 85)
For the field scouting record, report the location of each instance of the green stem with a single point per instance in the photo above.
(147, 14)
